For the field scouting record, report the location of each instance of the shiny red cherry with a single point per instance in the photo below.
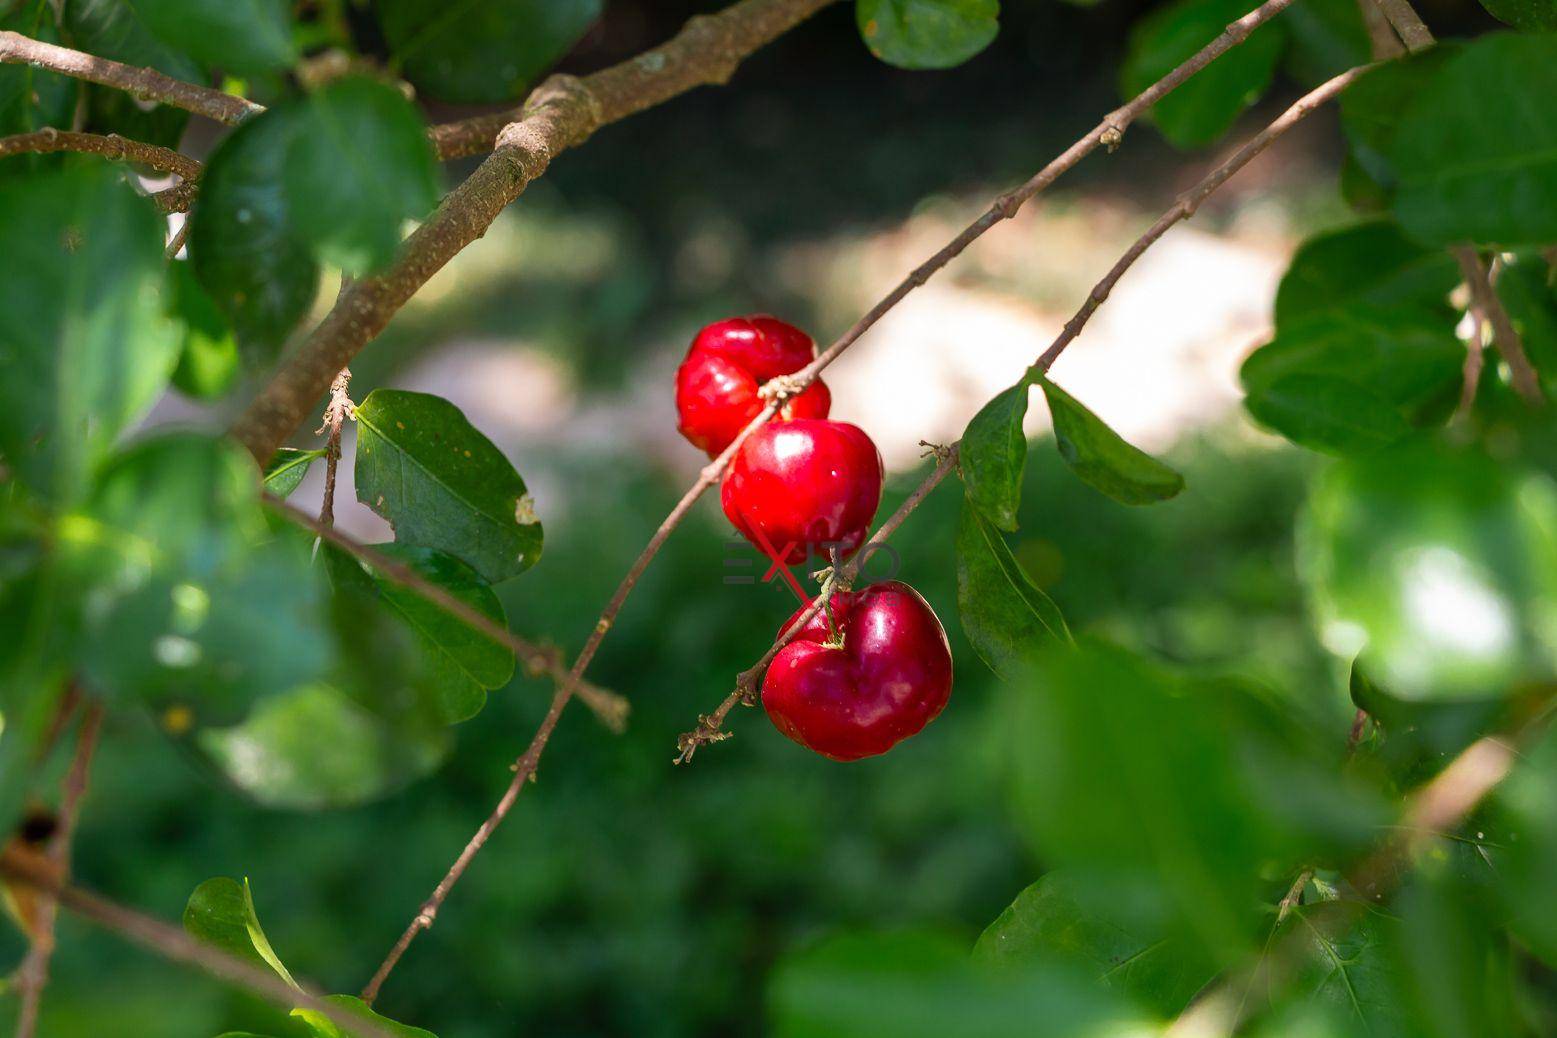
(717, 383)
(797, 488)
(887, 674)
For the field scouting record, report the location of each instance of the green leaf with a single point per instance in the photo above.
(188, 598)
(923, 985)
(993, 454)
(1373, 106)
(315, 748)
(1102, 458)
(242, 240)
(85, 348)
(1342, 964)
(1201, 110)
(1526, 809)
(1328, 37)
(323, 1027)
(1524, 286)
(31, 98)
(208, 362)
(441, 484)
(1004, 614)
(114, 29)
(1406, 356)
(1327, 414)
(461, 664)
(490, 52)
(1058, 919)
(1438, 568)
(221, 913)
(241, 37)
(1528, 15)
(359, 165)
(287, 468)
(1172, 795)
(1474, 162)
(1455, 966)
(1371, 263)
(927, 34)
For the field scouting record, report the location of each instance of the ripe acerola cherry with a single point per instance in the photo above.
(797, 488)
(717, 383)
(886, 674)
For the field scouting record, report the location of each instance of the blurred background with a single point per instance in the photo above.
(625, 895)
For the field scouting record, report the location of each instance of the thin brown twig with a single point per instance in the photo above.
(335, 414)
(451, 140)
(172, 943)
(33, 974)
(111, 145)
(141, 82)
(1413, 31)
(275, 413)
(1485, 301)
(1470, 372)
(609, 707)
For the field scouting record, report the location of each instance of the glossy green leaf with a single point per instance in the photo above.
(1173, 794)
(1201, 110)
(1371, 263)
(208, 361)
(993, 454)
(220, 913)
(242, 238)
(1406, 356)
(315, 748)
(85, 348)
(242, 37)
(1004, 614)
(461, 664)
(1328, 37)
(490, 53)
(1343, 966)
(1524, 285)
(286, 470)
(1327, 414)
(1373, 106)
(189, 599)
(441, 484)
(1528, 15)
(927, 34)
(1472, 169)
(1059, 920)
(358, 166)
(323, 1027)
(1102, 458)
(1436, 568)
(922, 985)
(31, 98)
(115, 29)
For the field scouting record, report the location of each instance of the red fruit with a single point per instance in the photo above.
(888, 675)
(802, 487)
(716, 386)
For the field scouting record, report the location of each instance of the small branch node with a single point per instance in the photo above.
(781, 389)
(1111, 137)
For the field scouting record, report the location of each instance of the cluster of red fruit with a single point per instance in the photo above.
(875, 667)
